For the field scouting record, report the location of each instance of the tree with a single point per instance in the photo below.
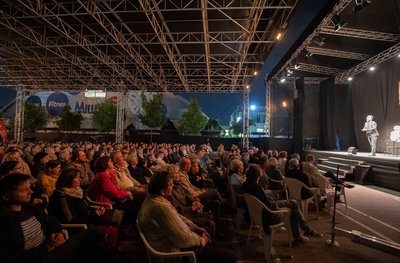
(35, 117)
(68, 120)
(152, 115)
(213, 125)
(105, 116)
(193, 121)
(237, 127)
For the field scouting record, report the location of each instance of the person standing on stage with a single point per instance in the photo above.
(370, 127)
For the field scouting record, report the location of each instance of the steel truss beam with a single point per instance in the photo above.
(78, 38)
(19, 115)
(268, 109)
(180, 68)
(360, 33)
(246, 130)
(336, 53)
(379, 58)
(340, 6)
(119, 123)
(317, 69)
(307, 80)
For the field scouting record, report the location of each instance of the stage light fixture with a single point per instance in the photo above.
(255, 73)
(297, 66)
(337, 22)
(360, 4)
(252, 107)
(282, 80)
(279, 36)
(289, 72)
(350, 78)
(309, 54)
(398, 55)
(372, 68)
(284, 104)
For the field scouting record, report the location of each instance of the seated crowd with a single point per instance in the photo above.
(175, 193)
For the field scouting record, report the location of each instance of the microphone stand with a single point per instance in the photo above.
(332, 241)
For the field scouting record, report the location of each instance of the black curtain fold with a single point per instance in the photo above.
(327, 114)
(377, 93)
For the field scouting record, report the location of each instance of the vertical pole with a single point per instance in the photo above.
(246, 131)
(119, 124)
(19, 115)
(268, 107)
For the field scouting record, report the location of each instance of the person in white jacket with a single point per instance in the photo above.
(168, 231)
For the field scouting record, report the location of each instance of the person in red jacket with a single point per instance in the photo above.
(103, 188)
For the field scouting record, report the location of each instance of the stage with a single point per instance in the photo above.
(380, 170)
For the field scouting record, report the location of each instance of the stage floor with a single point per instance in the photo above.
(379, 156)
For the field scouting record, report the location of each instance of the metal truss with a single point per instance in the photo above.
(19, 115)
(147, 44)
(336, 53)
(379, 58)
(246, 130)
(360, 33)
(317, 69)
(119, 123)
(268, 109)
(340, 6)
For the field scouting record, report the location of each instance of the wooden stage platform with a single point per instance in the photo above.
(380, 170)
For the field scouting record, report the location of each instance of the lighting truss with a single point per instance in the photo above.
(340, 6)
(318, 69)
(375, 60)
(336, 53)
(360, 33)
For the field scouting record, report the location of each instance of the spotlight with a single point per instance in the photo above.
(309, 54)
(279, 36)
(398, 55)
(350, 78)
(255, 73)
(289, 72)
(337, 22)
(247, 87)
(284, 104)
(252, 107)
(360, 4)
(297, 66)
(372, 68)
(282, 80)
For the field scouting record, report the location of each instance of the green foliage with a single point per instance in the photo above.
(105, 116)
(69, 121)
(152, 115)
(35, 117)
(193, 121)
(213, 125)
(237, 127)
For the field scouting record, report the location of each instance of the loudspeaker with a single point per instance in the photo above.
(352, 150)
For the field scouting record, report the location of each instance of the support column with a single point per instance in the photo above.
(268, 108)
(119, 123)
(19, 115)
(246, 130)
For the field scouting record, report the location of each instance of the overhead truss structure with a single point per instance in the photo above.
(153, 45)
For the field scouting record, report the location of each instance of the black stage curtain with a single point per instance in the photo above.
(298, 106)
(327, 114)
(377, 93)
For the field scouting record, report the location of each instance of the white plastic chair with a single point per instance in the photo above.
(294, 187)
(152, 252)
(91, 202)
(275, 192)
(326, 187)
(65, 231)
(256, 207)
